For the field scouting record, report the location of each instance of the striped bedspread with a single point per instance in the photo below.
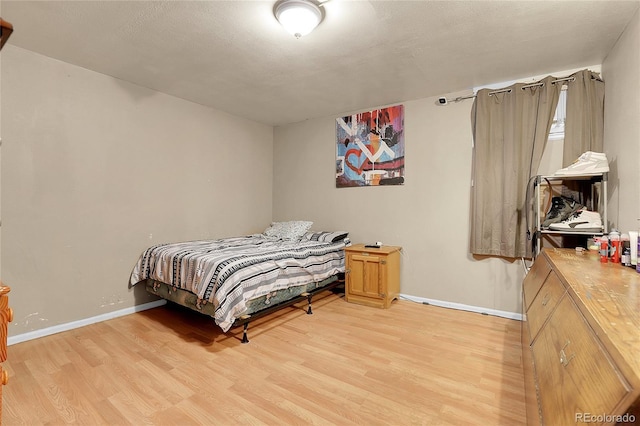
(231, 271)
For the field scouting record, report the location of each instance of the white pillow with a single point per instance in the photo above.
(292, 230)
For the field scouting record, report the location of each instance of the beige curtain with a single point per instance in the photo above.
(584, 125)
(510, 131)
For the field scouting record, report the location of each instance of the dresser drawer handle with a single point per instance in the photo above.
(546, 299)
(564, 360)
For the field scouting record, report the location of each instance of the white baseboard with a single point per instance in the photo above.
(462, 307)
(138, 308)
(81, 323)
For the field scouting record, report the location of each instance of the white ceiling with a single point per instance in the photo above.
(234, 56)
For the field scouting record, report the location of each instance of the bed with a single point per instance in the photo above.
(239, 279)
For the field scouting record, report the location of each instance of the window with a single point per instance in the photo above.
(557, 126)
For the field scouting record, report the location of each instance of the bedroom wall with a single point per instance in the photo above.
(94, 170)
(428, 216)
(0, 167)
(622, 127)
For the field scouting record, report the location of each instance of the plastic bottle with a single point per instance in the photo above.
(637, 252)
(638, 263)
(625, 258)
(604, 249)
(614, 237)
(633, 245)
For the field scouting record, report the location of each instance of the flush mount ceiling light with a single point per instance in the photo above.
(299, 17)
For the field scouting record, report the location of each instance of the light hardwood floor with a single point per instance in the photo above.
(345, 364)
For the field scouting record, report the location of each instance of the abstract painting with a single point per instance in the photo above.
(370, 148)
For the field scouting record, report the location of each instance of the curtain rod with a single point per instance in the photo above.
(495, 92)
(559, 80)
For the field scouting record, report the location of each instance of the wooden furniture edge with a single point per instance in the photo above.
(5, 31)
(384, 249)
(624, 360)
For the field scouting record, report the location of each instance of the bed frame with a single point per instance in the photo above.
(256, 308)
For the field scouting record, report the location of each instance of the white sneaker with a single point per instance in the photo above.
(580, 221)
(588, 163)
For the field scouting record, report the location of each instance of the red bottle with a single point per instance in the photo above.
(604, 249)
(614, 237)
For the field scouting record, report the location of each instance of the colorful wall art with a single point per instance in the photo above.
(370, 148)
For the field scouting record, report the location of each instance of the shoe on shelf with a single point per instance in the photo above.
(587, 164)
(561, 209)
(580, 221)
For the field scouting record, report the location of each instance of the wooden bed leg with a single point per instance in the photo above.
(244, 333)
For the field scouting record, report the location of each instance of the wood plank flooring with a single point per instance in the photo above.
(346, 364)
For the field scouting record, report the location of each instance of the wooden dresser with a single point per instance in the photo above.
(581, 340)
(372, 275)
(6, 316)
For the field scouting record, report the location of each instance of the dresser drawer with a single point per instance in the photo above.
(534, 280)
(544, 303)
(575, 374)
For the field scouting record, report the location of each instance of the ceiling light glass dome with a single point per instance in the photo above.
(298, 17)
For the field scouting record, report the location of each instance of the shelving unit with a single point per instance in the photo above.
(593, 190)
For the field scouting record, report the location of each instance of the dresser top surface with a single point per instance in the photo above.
(608, 294)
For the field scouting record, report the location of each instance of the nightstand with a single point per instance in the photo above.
(372, 275)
